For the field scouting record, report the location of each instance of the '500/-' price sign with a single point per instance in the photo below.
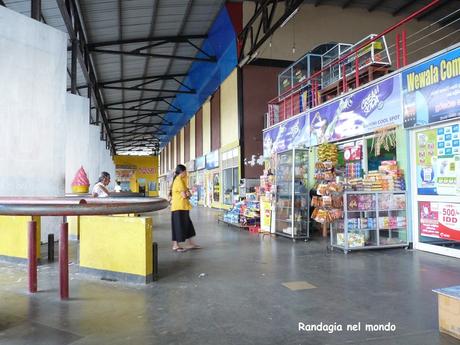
(449, 221)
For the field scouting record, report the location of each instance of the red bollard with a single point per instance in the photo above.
(64, 261)
(32, 256)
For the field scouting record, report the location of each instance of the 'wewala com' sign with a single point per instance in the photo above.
(432, 90)
(362, 112)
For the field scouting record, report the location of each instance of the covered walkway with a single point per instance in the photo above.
(239, 289)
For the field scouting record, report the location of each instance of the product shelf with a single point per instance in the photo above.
(350, 236)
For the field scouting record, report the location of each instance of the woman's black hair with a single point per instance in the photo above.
(103, 175)
(180, 168)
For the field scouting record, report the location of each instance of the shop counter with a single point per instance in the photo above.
(117, 247)
(14, 238)
(449, 310)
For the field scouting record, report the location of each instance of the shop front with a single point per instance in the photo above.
(355, 165)
(432, 116)
(200, 165)
(230, 176)
(190, 165)
(212, 180)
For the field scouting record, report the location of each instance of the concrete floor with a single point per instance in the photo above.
(240, 299)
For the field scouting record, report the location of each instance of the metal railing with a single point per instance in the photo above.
(354, 68)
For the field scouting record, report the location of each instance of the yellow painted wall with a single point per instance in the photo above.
(192, 138)
(182, 146)
(206, 127)
(141, 162)
(117, 244)
(74, 226)
(14, 236)
(229, 109)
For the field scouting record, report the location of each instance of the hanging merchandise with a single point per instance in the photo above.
(328, 153)
(328, 201)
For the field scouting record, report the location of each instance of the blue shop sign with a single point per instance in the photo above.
(200, 163)
(431, 90)
(212, 160)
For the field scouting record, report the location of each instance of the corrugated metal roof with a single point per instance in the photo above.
(116, 20)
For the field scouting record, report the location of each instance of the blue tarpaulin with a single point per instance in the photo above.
(205, 77)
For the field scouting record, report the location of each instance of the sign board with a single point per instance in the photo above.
(212, 160)
(361, 112)
(190, 165)
(437, 153)
(293, 133)
(200, 163)
(439, 220)
(431, 90)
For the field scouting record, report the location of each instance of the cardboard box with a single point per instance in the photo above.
(449, 310)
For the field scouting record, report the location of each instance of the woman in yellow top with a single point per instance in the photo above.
(182, 226)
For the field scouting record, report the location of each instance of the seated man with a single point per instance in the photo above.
(100, 189)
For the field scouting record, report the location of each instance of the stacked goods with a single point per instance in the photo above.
(328, 153)
(354, 240)
(392, 222)
(393, 174)
(387, 178)
(353, 170)
(80, 183)
(244, 213)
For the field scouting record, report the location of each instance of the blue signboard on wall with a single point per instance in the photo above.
(289, 134)
(431, 90)
(212, 160)
(358, 113)
(200, 163)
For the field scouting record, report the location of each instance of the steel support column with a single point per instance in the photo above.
(73, 68)
(35, 9)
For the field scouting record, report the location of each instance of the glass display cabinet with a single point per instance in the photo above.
(374, 54)
(333, 73)
(299, 71)
(292, 197)
(371, 220)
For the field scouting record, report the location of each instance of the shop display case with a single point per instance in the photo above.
(299, 71)
(374, 54)
(292, 197)
(371, 220)
(333, 73)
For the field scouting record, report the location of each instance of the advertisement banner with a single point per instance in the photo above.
(200, 163)
(428, 219)
(439, 220)
(293, 133)
(438, 160)
(212, 160)
(362, 112)
(431, 90)
(190, 165)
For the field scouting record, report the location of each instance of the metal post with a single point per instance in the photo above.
(155, 260)
(344, 79)
(51, 247)
(398, 52)
(404, 47)
(357, 70)
(64, 261)
(35, 9)
(32, 256)
(73, 69)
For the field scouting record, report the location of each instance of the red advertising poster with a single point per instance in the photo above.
(439, 220)
(449, 217)
(428, 213)
(352, 153)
